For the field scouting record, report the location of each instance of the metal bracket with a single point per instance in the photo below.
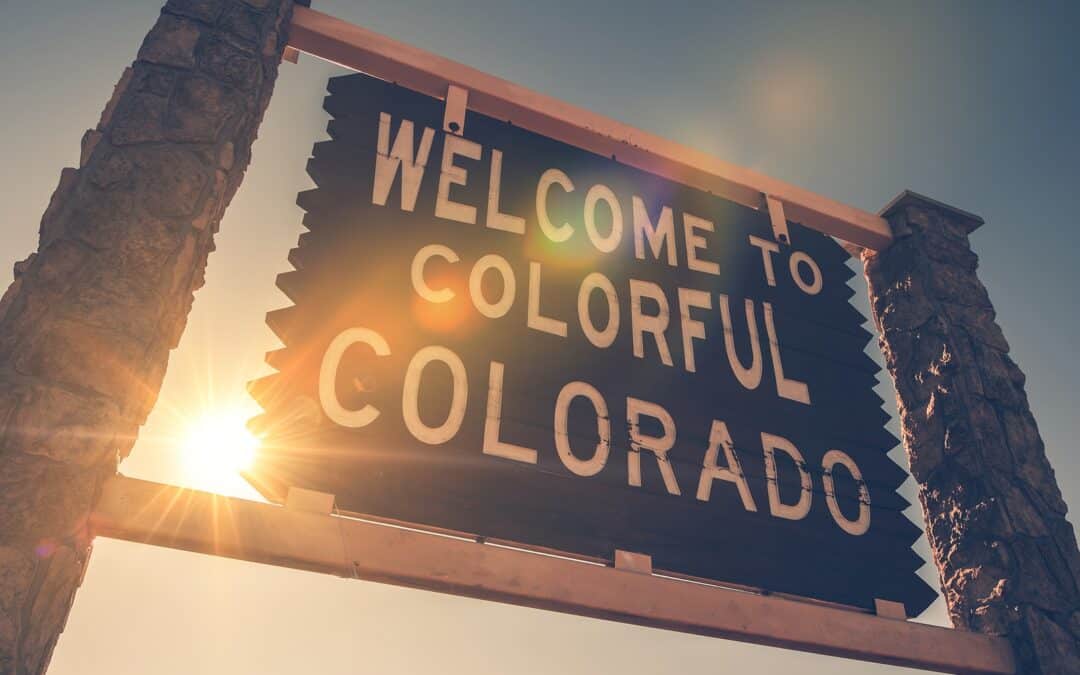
(779, 222)
(454, 115)
(633, 562)
(311, 501)
(889, 609)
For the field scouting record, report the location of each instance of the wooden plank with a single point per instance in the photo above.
(360, 49)
(165, 515)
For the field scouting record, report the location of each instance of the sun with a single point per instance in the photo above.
(216, 448)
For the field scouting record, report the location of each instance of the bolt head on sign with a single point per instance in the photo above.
(501, 334)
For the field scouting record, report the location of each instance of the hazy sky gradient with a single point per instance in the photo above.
(973, 103)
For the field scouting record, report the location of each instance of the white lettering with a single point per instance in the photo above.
(506, 300)
(750, 377)
(790, 389)
(331, 405)
(797, 511)
(812, 288)
(692, 328)
(496, 219)
(660, 236)
(659, 446)
(535, 320)
(410, 398)
(596, 194)
(767, 249)
(416, 272)
(594, 464)
(695, 242)
(388, 161)
(655, 324)
(552, 177)
(493, 421)
(720, 438)
(452, 174)
(600, 338)
(861, 524)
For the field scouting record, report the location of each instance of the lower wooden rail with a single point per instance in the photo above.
(165, 515)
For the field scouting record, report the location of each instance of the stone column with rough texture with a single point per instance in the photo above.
(87, 326)
(994, 514)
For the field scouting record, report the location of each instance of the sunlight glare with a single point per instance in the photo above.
(217, 447)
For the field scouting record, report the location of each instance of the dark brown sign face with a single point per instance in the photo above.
(504, 335)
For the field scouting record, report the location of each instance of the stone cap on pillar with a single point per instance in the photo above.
(968, 220)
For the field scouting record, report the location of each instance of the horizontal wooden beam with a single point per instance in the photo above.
(165, 515)
(360, 49)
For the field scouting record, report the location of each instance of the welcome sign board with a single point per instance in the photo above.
(500, 334)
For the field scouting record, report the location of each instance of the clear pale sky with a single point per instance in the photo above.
(973, 103)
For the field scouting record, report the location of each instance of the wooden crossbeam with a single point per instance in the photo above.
(165, 515)
(360, 49)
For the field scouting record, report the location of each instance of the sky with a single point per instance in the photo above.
(972, 103)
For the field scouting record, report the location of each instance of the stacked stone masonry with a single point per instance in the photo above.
(995, 517)
(87, 326)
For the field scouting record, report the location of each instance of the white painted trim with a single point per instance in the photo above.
(166, 515)
(360, 49)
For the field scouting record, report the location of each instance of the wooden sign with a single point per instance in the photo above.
(501, 334)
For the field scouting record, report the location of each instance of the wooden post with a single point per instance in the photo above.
(995, 518)
(87, 326)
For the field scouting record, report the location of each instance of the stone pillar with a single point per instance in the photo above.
(995, 518)
(87, 326)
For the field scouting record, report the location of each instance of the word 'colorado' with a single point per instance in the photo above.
(730, 470)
